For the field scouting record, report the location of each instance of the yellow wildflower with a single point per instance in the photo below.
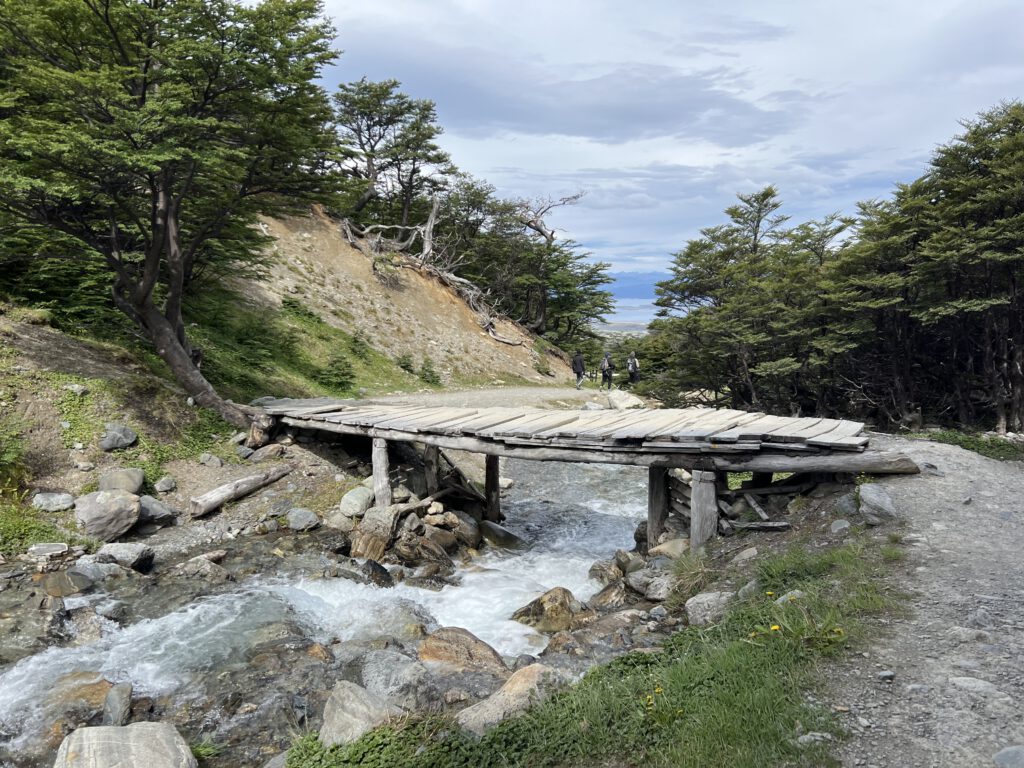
(776, 627)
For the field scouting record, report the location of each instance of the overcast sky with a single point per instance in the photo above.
(662, 111)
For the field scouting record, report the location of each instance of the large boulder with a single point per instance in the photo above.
(153, 511)
(554, 611)
(53, 502)
(524, 688)
(127, 479)
(467, 530)
(461, 649)
(621, 401)
(876, 505)
(154, 745)
(613, 596)
(351, 711)
(398, 679)
(374, 533)
(500, 537)
(707, 607)
(106, 515)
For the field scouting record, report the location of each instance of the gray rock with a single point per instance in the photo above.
(165, 484)
(154, 745)
(592, 406)
(300, 519)
(604, 572)
(707, 607)
(129, 480)
(814, 737)
(97, 571)
(209, 460)
(751, 589)
(791, 596)
(659, 613)
(398, 679)
(1010, 757)
(611, 597)
(138, 557)
(106, 515)
(876, 505)
(53, 502)
(468, 530)
(976, 686)
(525, 687)
(839, 526)
(153, 511)
(460, 649)
(76, 389)
(886, 675)
(84, 466)
(353, 504)
(267, 452)
(747, 554)
(498, 536)
(278, 761)
(244, 452)
(846, 505)
(557, 610)
(47, 551)
(639, 581)
(660, 588)
(117, 704)
(351, 711)
(117, 436)
(629, 562)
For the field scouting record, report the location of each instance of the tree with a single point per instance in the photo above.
(152, 133)
(389, 142)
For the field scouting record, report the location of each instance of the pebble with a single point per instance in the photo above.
(887, 675)
(839, 526)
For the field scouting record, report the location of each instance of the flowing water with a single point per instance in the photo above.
(570, 515)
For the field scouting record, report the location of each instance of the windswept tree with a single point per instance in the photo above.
(148, 135)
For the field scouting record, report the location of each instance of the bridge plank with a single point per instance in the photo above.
(836, 437)
(706, 426)
(492, 418)
(536, 425)
(425, 418)
(789, 432)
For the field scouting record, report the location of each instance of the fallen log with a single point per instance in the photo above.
(212, 500)
(755, 506)
(760, 525)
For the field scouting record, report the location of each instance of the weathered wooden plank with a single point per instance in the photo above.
(432, 468)
(760, 525)
(493, 418)
(528, 417)
(756, 506)
(381, 473)
(425, 421)
(843, 430)
(530, 428)
(856, 443)
(492, 489)
(653, 422)
(588, 424)
(704, 427)
(687, 416)
(787, 433)
(703, 509)
(657, 503)
(752, 430)
(402, 419)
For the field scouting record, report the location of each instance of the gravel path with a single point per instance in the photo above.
(540, 397)
(944, 686)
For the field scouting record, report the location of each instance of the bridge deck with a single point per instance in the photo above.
(639, 435)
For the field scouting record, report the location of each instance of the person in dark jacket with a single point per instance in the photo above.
(633, 366)
(607, 367)
(579, 367)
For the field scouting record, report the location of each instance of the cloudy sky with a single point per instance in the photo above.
(662, 111)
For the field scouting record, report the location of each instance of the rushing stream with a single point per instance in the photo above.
(570, 515)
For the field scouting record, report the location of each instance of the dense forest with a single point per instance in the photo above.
(140, 142)
(911, 310)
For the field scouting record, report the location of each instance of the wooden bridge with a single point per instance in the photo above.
(706, 441)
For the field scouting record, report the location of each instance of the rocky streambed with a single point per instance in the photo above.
(241, 640)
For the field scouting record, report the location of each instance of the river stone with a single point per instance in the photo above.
(154, 745)
(278, 761)
(352, 711)
(53, 502)
(524, 688)
(443, 538)
(461, 649)
(376, 574)
(1010, 757)
(267, 452)
(398, 679)
(554, 611)
(202, 567)
(117, 436)
(128, 479)
(639, 580)
(628, 561)
(165, 484)
(611, 597)
(356, 502)
(43, 551)
(106, 515)
(95, 570)
(747, 554)
(243, 452)
(64, 583)
(605, 572)
(300, 519)
(117, 704)
(467, 530)
(498, 536)
(672, 548)
(138, 557)
(660, 587)
(846, 505)
(707, 607)
(154, 511)
(876, 505)
(839, 526)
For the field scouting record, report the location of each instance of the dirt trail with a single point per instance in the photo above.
(957, 660)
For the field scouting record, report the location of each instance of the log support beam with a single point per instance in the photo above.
(492, 489)
(657, 503)
(381, 473)
(432, 468)
(703, 509)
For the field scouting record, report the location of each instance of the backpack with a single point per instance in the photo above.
(604, 363)
(631, 365)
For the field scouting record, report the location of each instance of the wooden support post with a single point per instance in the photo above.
(703, 509)
(492, 490)
(432, 468)
(657, 503)
(381, 474)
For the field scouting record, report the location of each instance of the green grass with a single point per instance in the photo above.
(729, 694)
(205, 750)
(993, 447)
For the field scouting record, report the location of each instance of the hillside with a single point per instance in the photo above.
(414, 315)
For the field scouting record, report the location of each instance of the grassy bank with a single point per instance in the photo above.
(729, 695)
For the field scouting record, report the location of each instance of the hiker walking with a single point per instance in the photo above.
(579, 367)
(633, 366)
(607, 366)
